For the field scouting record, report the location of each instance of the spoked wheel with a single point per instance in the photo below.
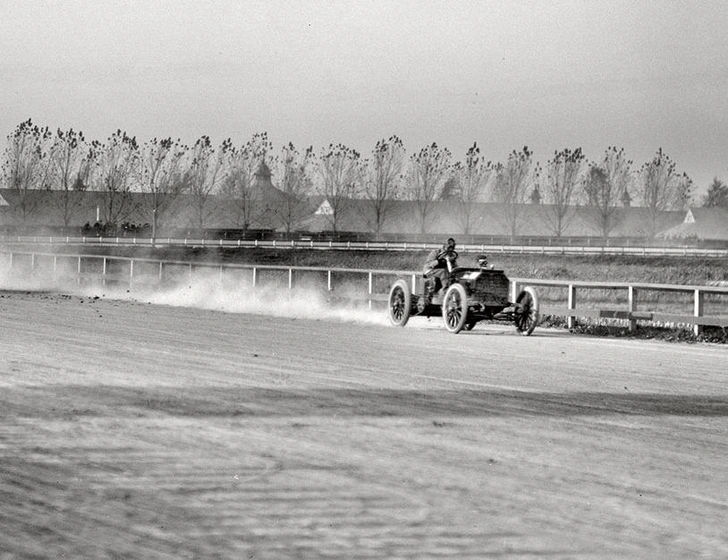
(526, 315)
(400, 303)
(455, 308)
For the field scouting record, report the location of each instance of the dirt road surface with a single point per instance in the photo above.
(133, 430)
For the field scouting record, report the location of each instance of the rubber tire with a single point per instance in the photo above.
(400, 303)
(527, 297)
(455, 308)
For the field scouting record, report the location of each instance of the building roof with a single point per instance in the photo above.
(448, 217)
(701, 223)
(357, 215)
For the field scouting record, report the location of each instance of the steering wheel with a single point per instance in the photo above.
(452, 255)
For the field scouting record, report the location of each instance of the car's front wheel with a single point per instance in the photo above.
(455, 308)
(527, 312)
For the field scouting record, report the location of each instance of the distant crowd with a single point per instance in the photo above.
(111, 229)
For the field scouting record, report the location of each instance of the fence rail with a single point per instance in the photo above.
(373, 246)
(106, 269)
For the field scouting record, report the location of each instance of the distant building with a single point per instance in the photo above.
(447, 217)
(702, 224)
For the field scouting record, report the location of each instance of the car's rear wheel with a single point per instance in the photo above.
(526, 315)
(455, 308)
(400, 303)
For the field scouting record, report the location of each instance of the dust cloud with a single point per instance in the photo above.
(207, 290)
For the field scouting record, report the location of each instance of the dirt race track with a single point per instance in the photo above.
(132, 430)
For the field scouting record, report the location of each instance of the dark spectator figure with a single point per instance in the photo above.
(436, 265)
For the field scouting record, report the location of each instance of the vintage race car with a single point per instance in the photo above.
(473, 294)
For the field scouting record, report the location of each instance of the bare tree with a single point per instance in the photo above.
(511, 185)
(564, 174)
(605, 187)
(27, 166)
(339, 170)
(428, 171)
(206, 173)
(296, 185)
(115, 174)
(161, 169)
(70, 168)
(381, 185)
(471, 177)
(662, 189)
(717, 195)
(239, 188)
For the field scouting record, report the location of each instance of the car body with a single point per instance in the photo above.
(472, 295)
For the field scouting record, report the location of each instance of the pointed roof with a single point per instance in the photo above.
(701, 223)
(264, 185)
(263, 171)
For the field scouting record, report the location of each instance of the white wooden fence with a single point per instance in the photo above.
(630, 312)
(374, 284)
(374, 246)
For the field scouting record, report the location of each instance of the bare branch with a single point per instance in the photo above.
(428, 171)
(381, 186)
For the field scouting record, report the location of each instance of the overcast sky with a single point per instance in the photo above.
(547, 74)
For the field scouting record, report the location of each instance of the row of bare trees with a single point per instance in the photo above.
(163, 169)
(36, 159)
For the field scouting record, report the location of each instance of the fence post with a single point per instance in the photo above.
(290, 278)
(571, 319)
(371, 289)
(103, 272)
(632, 307)
(78, 276)
(329, 280)
(514, 290)
(131, 273)
(698, 311)
(161, 271)
(255, 277)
